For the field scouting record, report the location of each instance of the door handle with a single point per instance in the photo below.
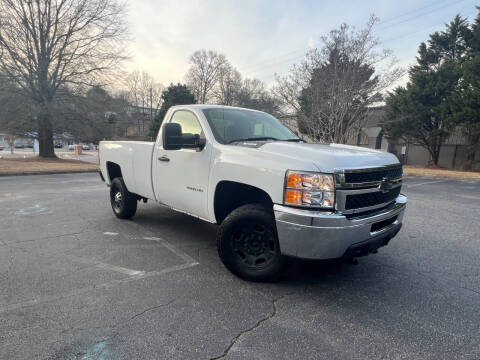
(164, 158)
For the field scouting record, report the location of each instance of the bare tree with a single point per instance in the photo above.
(134, 91)
(84, 115)
(151, 97)
(95, 115)
(204, 73)
(122, 114)
(16, 112)
(145, 96)
(49, 44)
(330, 92)
(213, 79)
(228, 86)
(254, 94)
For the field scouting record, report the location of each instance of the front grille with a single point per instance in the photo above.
(357, 201)
(373, 175)
(368, 212)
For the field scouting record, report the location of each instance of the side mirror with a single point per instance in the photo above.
(172, 136)
(191, 141)
(174, 139)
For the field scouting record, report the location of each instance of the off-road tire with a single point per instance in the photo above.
(245, 233)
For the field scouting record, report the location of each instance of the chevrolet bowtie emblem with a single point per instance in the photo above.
(386, 185)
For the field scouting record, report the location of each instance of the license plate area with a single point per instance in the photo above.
(378, 226)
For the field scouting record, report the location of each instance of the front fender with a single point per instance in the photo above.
(251, 167)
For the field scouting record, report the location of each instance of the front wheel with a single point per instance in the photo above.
(248, 245)
(124, 203)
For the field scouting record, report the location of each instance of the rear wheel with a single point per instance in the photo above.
(247, 243)
(124, 203)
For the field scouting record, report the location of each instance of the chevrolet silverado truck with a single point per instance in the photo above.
(272, 194)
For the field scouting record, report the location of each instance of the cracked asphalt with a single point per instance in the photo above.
(77, 283)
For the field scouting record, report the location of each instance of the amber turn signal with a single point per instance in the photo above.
(294, 180)
(293, 197)
(309, 189)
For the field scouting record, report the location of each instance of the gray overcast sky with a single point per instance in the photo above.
(263, 37)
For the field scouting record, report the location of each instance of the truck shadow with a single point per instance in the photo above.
(194, 235)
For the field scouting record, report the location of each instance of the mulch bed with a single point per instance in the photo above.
(36, 165)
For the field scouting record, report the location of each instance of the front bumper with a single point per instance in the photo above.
(325, 235)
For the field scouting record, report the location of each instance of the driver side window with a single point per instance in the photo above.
(188, 122)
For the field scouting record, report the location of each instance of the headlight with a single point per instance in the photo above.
(309, 189)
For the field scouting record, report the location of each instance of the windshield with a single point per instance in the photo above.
(230, 125)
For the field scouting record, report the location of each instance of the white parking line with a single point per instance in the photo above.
(424, 183)
(98, 264)
(120, 269)
(77, 292)
(181, 254)
(133, 275)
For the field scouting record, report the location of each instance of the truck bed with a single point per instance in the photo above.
(135, 161)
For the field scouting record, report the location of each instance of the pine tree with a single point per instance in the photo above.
(467, 97)
(178, 94)
(426, 111)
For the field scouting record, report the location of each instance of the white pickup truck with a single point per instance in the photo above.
(272, 193)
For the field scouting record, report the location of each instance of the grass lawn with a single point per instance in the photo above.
(36, 165)
(443, 173)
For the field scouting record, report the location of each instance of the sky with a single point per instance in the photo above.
(261, 38)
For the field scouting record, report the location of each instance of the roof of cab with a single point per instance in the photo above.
(207, 106)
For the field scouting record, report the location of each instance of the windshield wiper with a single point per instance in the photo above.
(294, 140)
(254, 139)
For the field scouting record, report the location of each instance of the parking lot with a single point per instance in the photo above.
(78, 283)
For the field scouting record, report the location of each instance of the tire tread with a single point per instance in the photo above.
(254, 210)
(130, 200)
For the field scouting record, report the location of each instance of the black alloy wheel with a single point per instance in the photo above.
(254, 245)
(247, 243)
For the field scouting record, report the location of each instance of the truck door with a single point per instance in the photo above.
(181, 176)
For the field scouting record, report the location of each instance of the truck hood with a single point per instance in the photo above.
(328, 157)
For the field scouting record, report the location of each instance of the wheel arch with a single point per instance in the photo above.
(230, 195)
(113, 171)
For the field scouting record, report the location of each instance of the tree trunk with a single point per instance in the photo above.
(435, 152)
(435, 158)
(45, 132)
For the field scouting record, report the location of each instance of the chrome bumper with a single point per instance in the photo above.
(325, 235)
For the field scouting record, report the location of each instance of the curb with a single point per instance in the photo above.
(51, 173)
(440, 177)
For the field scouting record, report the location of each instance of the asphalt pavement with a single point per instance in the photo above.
(78, 283)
